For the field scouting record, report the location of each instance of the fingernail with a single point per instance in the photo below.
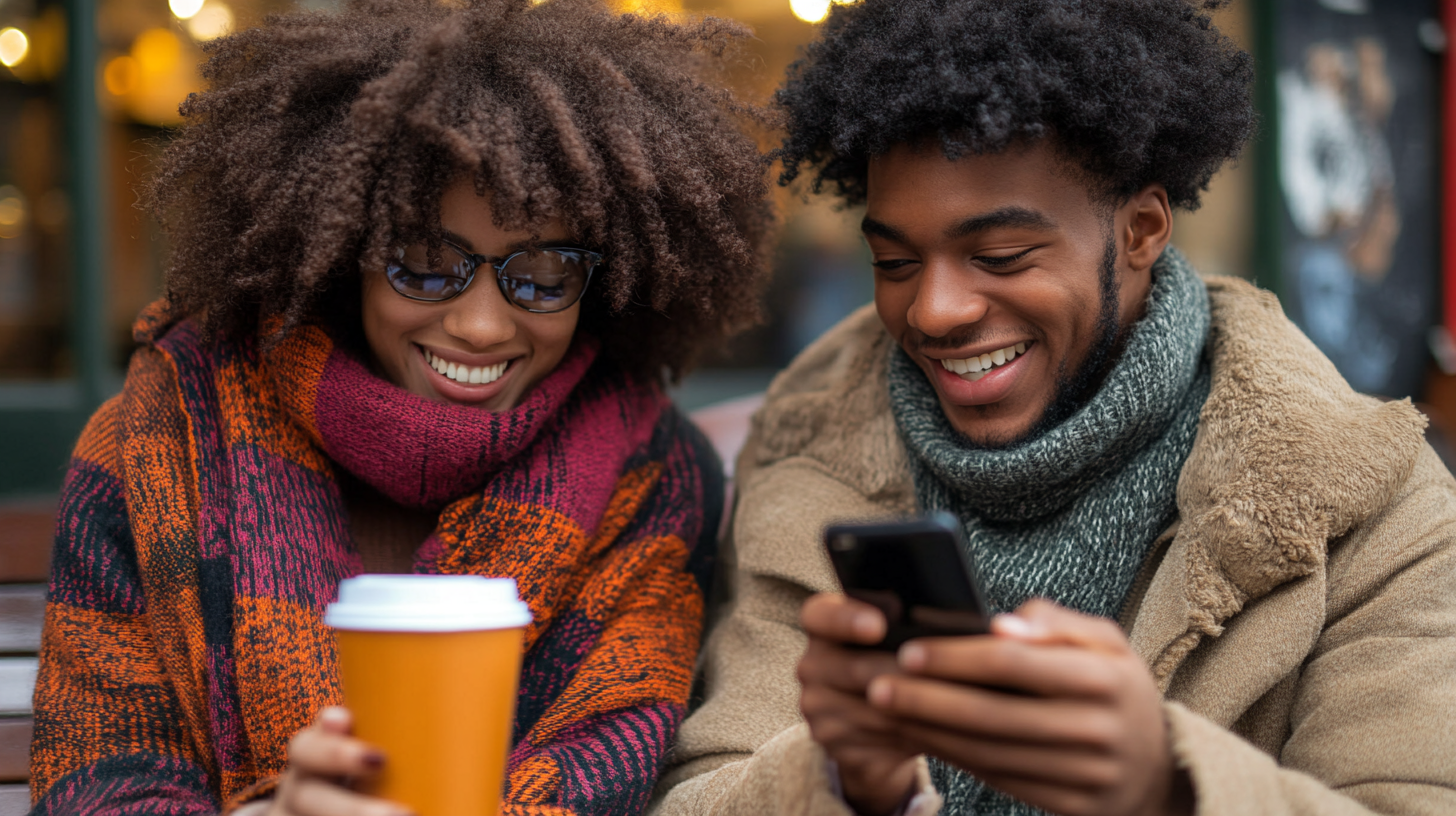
(374, 758)
(865, 625)
(880, 693)
(334, 715)
(912, 656)
(1019, 627)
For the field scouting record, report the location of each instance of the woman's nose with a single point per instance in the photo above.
(481, 316)
(945, 300)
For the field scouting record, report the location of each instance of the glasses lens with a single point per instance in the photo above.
(413, 275)
(547, 280)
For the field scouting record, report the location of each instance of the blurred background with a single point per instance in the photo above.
(1336, 207)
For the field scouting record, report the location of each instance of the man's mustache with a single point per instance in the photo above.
(974, 337)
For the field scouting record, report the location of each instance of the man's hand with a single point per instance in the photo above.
(321, 758)
(876, 769)
(1054, 709)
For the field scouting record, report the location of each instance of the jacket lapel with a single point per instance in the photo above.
(1287, 458)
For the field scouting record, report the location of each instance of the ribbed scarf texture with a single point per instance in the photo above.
(1071, 514)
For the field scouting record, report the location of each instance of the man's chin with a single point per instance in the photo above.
(980, 427)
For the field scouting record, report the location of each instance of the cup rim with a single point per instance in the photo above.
(426, 603)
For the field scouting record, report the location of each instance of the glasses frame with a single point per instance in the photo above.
(476, 260)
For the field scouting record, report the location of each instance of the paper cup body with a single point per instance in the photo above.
(429, 666)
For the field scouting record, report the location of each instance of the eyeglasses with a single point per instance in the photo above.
(548, 279)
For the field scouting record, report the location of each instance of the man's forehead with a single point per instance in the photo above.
(1026, 187)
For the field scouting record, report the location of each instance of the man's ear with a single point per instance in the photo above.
(1148, 227)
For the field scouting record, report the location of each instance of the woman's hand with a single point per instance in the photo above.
(321, 758)
(1055, 709)
(876, 769)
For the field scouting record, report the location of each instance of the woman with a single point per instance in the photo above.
(430, 264)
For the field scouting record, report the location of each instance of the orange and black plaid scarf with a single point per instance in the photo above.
(201, 533)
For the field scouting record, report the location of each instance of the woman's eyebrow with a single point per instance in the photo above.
(457, 240)
(514, 246)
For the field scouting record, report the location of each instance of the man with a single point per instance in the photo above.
(1229, 577)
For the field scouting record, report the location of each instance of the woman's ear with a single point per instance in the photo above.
(1149, 227)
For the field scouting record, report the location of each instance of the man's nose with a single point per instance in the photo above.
(481, 317)
(946, 299)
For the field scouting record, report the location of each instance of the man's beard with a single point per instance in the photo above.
(1076, 390)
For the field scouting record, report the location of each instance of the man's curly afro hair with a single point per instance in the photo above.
(326, 140)
(1133, 92)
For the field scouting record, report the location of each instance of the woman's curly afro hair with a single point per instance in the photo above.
(1133, 92)
(325, 140)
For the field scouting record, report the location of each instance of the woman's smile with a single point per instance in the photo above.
(456, 378)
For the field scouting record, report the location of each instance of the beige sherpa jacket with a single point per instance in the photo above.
(1300, 617)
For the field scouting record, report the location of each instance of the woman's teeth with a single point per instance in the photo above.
(974, 368)
(470, 375)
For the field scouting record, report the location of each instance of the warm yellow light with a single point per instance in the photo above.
(185, 9)
(215, 20)
(13, 47)
(810, 11)
(157, 51)
(12, 211)
(120, 75)
(648, 6)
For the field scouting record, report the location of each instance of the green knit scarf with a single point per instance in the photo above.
(1069, 515)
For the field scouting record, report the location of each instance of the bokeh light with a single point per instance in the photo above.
(185, 9)
(157, 50)
(810, 11)
(12, 211)
(165, 72)
(214, 20)
(120, 75)
(13, 47)
(648, 6)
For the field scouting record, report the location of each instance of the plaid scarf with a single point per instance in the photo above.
(201, 532)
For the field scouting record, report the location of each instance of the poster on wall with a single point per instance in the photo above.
(1357, 112)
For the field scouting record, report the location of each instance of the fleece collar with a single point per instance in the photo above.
(1287, 457)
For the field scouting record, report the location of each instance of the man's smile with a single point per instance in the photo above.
(975, 367)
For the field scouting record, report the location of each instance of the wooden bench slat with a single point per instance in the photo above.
(26, 532)
(17, 684)
(22, 612)
(14, 800)
(15, 749)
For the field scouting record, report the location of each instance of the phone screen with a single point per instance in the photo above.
(916, 572)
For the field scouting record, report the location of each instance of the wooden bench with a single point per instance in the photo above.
(26, 529)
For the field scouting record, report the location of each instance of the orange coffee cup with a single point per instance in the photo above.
(429, 666)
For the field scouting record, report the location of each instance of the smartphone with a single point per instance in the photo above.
(916, 571)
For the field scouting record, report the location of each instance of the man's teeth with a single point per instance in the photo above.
(974, 368)
(471, 375)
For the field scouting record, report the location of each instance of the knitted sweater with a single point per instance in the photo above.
(201, 533)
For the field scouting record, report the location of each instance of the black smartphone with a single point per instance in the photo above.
(916, 571)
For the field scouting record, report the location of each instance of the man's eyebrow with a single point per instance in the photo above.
(870, 226)
(1015, 217)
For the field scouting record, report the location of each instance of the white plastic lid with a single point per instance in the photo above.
(427, 603)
